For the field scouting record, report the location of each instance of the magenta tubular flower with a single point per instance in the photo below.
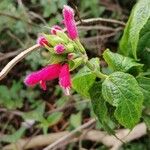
(48, 73)
(42, 41)
(55, 28)
(65, 79)
(69, 22)
(59, 49)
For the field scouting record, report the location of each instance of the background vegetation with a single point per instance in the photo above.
(27, 112)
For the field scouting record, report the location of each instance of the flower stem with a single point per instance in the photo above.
(88, 64)
(97, 73)
(80, 46)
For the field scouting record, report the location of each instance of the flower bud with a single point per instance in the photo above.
(55, 28)
(42, 41)
(72, 56)
(59, 49)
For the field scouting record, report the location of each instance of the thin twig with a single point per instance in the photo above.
(92, 21)
(9, 54)
(67, 106)
(14, 112)
(70, 135)
(17, 18)
(99, 20)
(15, 38)
(35, 15)
(96, 27)
(14, 61)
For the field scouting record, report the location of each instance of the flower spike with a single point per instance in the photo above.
(69, 22)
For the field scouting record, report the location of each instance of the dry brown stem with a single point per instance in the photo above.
(54, 139)
(15, 60)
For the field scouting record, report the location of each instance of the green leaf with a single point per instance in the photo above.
(36, 114)
(147, 121)
(144, 83)
(51, 120)
(14, 137)
(144, 44)
(99, 106)
(54, 118)
(122, 91)
(120, 63)
(98, 102)
(4, 93)
(10, 98)
(75, 120)
(138, 18)
(83, 80)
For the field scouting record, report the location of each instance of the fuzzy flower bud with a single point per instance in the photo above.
(46, 74)
(71, 56)
(65, 79)
(69, 22)
(55, 28)
(59, 49)
(42, 41)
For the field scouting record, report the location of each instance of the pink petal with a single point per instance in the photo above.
(43, 85)
(65, 79)
(48, 73)
(69, 22)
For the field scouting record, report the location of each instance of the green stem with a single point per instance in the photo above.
(97, 73)
(89, 65)
(80, 46)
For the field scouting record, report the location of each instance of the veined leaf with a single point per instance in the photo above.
(99, 106)
(98, 103)
(122, 91)
(120, 63)
(138, 18)
(144, 44)
(144, 83)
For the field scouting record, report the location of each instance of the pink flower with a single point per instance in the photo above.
(42, 41)
(69, 22)
(48, 73)
(55, 28)
(59, 49)
(65, 79)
